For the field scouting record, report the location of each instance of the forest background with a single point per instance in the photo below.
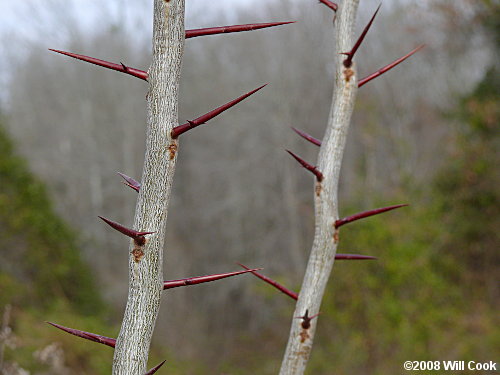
(424, 134)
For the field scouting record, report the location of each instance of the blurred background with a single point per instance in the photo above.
(423, 134)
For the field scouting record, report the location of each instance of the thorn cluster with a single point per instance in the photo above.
(362, 215)
(180, 129)
(311, 168)
(232, 29)
(351, 53)
(138, 237)
(306, 319)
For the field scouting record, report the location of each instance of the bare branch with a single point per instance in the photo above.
(146, 263)
(324, 246)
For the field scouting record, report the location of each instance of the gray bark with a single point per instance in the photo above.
(326, 207)
(146, 261)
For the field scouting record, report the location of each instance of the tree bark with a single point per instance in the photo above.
(325, 197)
(146, 260)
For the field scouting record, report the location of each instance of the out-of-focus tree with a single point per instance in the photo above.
(468, 185)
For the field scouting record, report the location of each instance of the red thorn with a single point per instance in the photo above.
(86, 335)
(362, 215)
(389, 66)
(353, 257)
(232, 29)
(306, 319)
(278, 286)
(137, 236)
(350, 54)
(203, 279)
(309, 167)
(130, 182)
(330, 4)
(180, 129)
(106, 64)
(307, 137)
(154, 369)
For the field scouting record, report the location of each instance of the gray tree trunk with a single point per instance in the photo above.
(146, 260)
(325, 197)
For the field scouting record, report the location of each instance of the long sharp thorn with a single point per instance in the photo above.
(86, 335)
(362, 215)
(330, 4)
(232, 29)
(311, 168)
(137, 236)
(307, 137)
(154, 369)
(180, 129)
(353, 257)
(350, 54)
(270, 281)
(130, 182)
(203, 279)
(389, 66)
(106, 64)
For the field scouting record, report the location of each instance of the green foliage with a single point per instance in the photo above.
(38, 248)
(468, 192)
(42, 275)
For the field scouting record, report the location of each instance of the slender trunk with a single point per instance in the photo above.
(146, 259)
(326, 208)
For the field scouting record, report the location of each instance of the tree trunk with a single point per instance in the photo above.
(326, 207)
(146, 259)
